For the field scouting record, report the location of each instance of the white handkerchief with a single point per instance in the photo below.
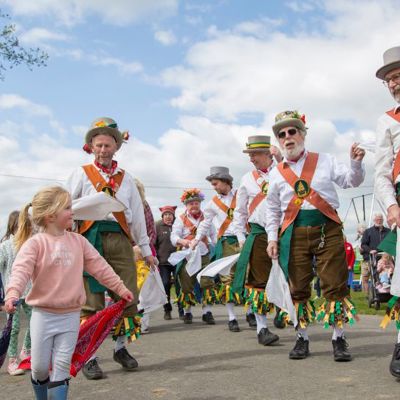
(152, 295)
(222, 266)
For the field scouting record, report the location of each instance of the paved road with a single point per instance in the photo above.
(200, 362)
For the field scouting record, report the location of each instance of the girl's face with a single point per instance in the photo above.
(63, 219)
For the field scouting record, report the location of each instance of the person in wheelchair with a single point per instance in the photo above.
(385, 268)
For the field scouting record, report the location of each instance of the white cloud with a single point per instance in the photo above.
(167, 38)
(10, 101)
(124, 67)
(41, 36)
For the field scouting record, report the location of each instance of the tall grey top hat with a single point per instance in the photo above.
(219, 173)
(257, 143)
(391, 60)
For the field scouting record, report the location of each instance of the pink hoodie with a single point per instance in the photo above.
(55, 265)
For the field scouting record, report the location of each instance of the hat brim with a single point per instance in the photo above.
(193, 199)
(296, 122)
(381, 73)
(104, 130)
(220, 177)
(259, 150)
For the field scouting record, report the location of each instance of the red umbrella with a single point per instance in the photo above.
(91, 335)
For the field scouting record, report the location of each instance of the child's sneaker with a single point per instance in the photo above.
(13, 367)
(25, 353)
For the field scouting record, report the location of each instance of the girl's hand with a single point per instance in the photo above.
(10, 305)
(128, 296)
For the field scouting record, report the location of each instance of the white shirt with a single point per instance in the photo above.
(79, 185)
(328, 172)
(212, 213)
(387, 146)
(248, 189)
(181, 231)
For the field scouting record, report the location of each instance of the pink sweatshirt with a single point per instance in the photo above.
(55, 265)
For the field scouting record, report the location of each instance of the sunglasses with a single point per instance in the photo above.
(291, 132)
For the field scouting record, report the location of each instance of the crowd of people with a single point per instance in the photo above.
(284, 211)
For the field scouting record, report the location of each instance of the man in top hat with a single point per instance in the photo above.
(301, 209)
(387, 167)
(113, 236)
(254, 265)
(184, 230)
(220, 210)
(164, 248)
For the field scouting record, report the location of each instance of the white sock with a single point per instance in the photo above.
(302, 332)
(119, 343)
(231, 312)
(398, 338)
(261, 322)
(206, 309)
(337, 332)
(145, 321)
(249, 311)
(188, 310)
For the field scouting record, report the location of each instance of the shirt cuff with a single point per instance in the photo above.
(355, 164)
(272, 236)
(146, 250)
(11, 293)
(241, 237)
(389, 201)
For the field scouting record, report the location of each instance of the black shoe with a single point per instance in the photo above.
(188, 318)
(265, 337)
(92, 370)
(125, 359)
(395, 363)
(300, 349)
(251, 319)
(278, 323)
(208, 318)
(340, 350)
(167, 315)
(233, 326)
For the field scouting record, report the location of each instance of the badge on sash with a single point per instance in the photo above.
(264, 187)
(301, 188)
(108, 190)
(229, 213)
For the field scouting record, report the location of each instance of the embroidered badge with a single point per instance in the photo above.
(264, 187)
(229, 213)
(301, 188)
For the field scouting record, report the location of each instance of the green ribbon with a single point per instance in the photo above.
(389, 242)
(93, 235)
(243, 261)
(304, 218)
(219, 247)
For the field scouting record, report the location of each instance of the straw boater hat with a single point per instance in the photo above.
(391, 60)
(167, 209)
(190, 195)
(257, 144)
(289, 118)
(219, 173)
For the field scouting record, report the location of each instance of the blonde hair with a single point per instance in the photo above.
(48, 201)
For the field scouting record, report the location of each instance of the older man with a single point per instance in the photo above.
(254, 265)
(112, 237)
(387, 168)
(301, 211)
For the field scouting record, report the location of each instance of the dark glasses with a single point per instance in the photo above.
(291, 132)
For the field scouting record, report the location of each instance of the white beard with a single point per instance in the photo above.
(294, 153)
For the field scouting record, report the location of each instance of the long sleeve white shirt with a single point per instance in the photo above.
(328, 172)
(79, 185)
(214, 217)
(246, 192)
(387, 146)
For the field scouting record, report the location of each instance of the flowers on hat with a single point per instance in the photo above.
(125, 136)
(192, 195)
(87, 148)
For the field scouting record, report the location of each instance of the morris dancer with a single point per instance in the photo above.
(302, 201)
(112, 237)
(387, 178)
(254, 265)
(183, 232)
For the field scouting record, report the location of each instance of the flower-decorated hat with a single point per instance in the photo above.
(104, 126)
(257, 143)
(192, 195)
(167, 209)
(289, 118)
(219, 173)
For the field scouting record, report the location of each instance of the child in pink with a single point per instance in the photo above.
(385, 270)
(54, 259)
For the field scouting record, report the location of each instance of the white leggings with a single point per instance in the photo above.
(53, 339)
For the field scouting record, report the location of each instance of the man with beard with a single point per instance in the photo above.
(254, 265)
(301, 208)
(184, 230)
(387, 179)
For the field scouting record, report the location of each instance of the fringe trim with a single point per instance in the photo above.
(227, 295)
(186, 300)
(257, 300)
(210, 297)
(392, 313)
(337, 313)
(129, 327)
(305, 313)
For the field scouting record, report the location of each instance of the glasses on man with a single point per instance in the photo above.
(291, 132)
(395, 78)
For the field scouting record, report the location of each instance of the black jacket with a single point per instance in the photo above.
(163, 244)
(371, 240)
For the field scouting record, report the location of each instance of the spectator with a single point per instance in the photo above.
(350, 259)
(385, 270)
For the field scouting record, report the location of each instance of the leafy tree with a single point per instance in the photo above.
(12, 53)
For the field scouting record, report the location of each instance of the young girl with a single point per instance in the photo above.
(385, 269)
(54, 259)
(7, 256)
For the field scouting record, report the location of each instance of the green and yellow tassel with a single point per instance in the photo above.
(392, 313)
(227, 295)
(210, 296)
(337, 313)
(186, 300)
(257, 300)
(305, 313)
(129, 327)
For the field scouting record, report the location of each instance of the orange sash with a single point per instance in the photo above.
(396, 165)
(229, 213)
(303, 191)
(261, 195)
(99, 184)
(191, 226)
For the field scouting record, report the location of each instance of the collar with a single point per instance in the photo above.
(232, 193)
(303, 157)
(116, 170)
(192, 217)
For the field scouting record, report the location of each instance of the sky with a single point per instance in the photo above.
(190, 80)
